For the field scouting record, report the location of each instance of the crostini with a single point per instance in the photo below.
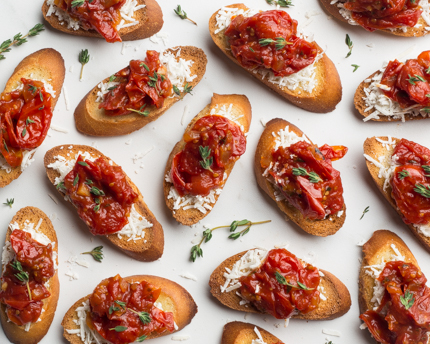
(134, 309)
(33, 89)
(29, 281)
(115, 21)
(306, 77)
(238, 332)
(278, 283)
(397, 92)
(141, 92)
(393, 297)
(200, 164)
(106, 200)
(408, 18)
(400, 168)
(300, 178)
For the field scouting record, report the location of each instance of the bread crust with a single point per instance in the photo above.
(46, 64)
(374, 149)
(154, 236)
(328, 226)
(237, 332)
(325, 96)
(337, 304)
(410, 32)
(173, 297)
(241, 105)
(150, 22)
(16, 334)
(91, 120)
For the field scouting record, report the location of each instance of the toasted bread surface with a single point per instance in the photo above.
(324, 98)
(375, 149)
(17, 334)
(337, 304)
(237, 332)
(173, 297)
(266, 144)
(46, 64)
(91, 120)
(150, 21)
(242, 106)
(150, 250)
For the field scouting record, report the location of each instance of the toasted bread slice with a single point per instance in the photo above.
(237, 332)
(331, 224)
(174, 298)
(148, 249)
(375, 149)
(326, 94)
(91, 120)
(376, 250)
(240, 107)
(47, 65)
(17, 334)
(150, 21)
(337, 304)
(410, 31)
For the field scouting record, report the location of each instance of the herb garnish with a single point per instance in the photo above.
(313, 177)
(140, 112)
(281, 3)
(403, 174)
(141, 339)
(426, 169)
(60, 185)
(407, 300)
(84, 57)
(366, 210)
(22, 275)
(196, 250)
(29, 121)
(416, 78)
(182, 14)
(76, 180)
(187, 89)
(97, 253)
(281, 279)
(5, 146)
(112, 78)
(279, 42)
(96, 191)
(118, 328)
(143, 316)
(82, 163)
(9, 202)
(24, 132)
(350, 45)
(18, 39)
(144, 66)
(97, 207)
(422, 190)
(207, 161)
(355, 67)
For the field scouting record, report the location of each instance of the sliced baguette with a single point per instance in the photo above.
(241, 105)
(337, 304)
(324, 98)
(410, 31)
(45, 64)
(237, 332)
(17, 334)
(375, 149)
(331, 224)
(150, 21)
(91, 120)
(148, 249)
(174, 298)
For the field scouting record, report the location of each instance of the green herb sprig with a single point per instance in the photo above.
(366, 210)
(140, 112)
(97, 253)
(281, 3)
(422, 190)
(407, 300)
(118, 328)
(313, 177)
(9, 202)
(22, 276)
(19, 39)
(187, 89)
(355, 67)
(350, 45)
(416, 78)
(426, 169)
(207, 160)
(182, 14)
(84, 58)
(281, 279)
(142, 338)
(279, 42)
(403, 174)
(144, 317)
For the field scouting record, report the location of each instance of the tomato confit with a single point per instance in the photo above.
(22, 282)
(25, 117)
(123, 312)
(212, 145)
(101, 193)
(304, 175)
(403, 317)
(269, 40)
(282, 285)
(140, 85)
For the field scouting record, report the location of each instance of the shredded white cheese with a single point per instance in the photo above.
(331, 332)
(260, 338)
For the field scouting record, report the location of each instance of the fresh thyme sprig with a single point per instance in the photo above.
(19, 39)
(350, 45)
(144, 317)
(141, 339)
(355, 67)
(118, 328)
(407, 300)
(313, 177)
(182, 14)
(422, 190)
(426, 169)
(281, 279)
(416, 78)
(366, 210)
(207, 160)
(84, 58)
(403, 174)
(140, 112)
(187, 89)
(9, 202)
(97, 253)
(279, 42)
(22, 275)
(281, 3)
(196, 250)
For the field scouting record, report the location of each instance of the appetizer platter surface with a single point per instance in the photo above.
(199, 252)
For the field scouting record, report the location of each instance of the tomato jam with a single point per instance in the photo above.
(141, 84)
(269, 39)
(384, 14)
(303, 173)
(211, 146)
(404, 314)
(25, 117)
(123, 312)
(102, 16)
(101, 194)
(282, 285)
(22, 283)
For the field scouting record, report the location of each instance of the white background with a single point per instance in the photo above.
(241, 197)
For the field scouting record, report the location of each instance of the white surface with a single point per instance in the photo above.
(241, 197)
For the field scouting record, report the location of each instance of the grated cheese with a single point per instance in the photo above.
(189, 276)
(260, 338)
(331, 332)
(180, 337)
(286, 138)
